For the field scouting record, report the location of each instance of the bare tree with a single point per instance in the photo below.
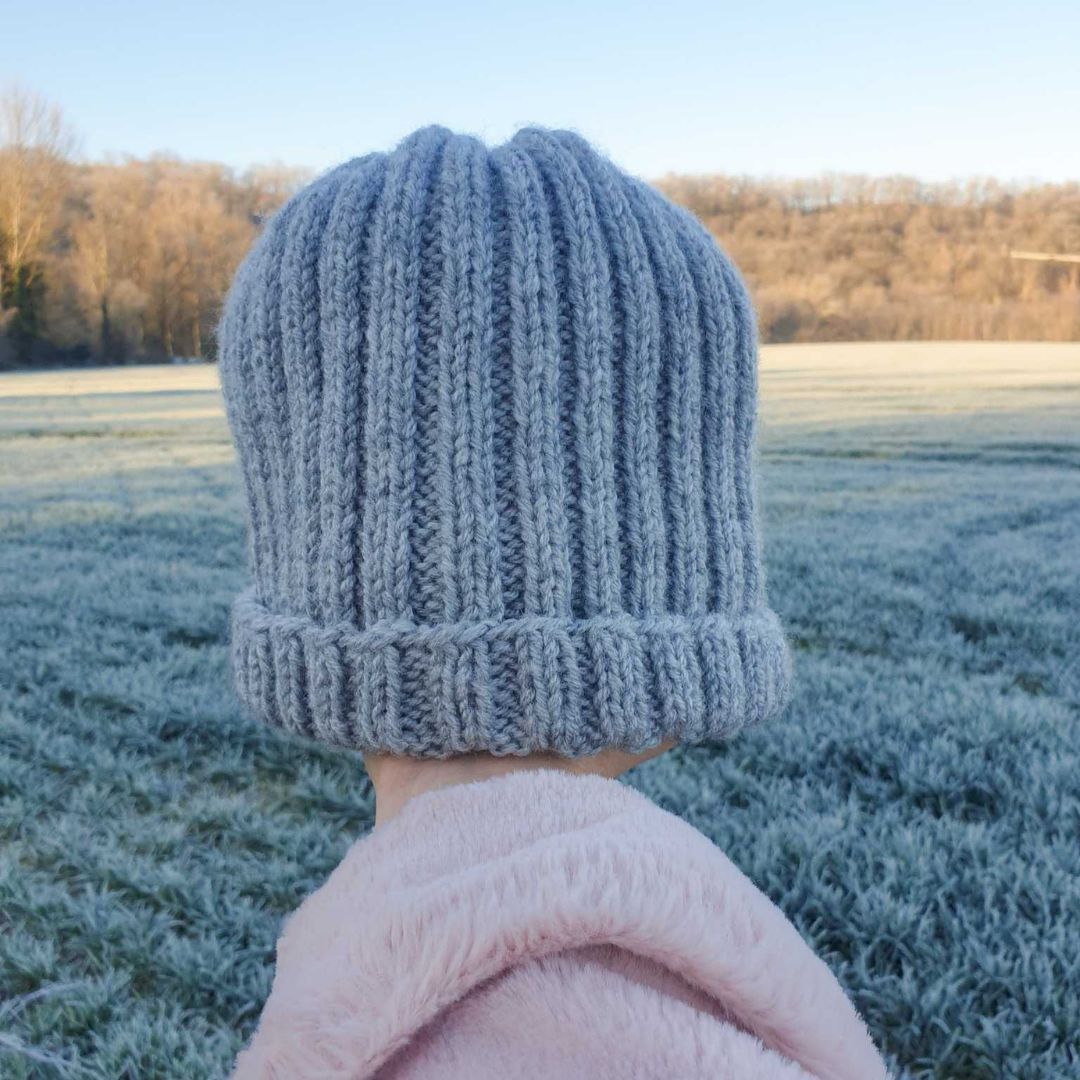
(105, 253)
(36, 146)
(268, 186)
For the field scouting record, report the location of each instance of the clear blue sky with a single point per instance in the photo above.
(939, 90)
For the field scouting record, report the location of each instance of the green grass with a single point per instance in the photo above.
(916, 812)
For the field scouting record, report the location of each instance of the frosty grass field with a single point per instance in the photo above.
(916, 812)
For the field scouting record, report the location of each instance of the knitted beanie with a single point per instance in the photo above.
(494, 409)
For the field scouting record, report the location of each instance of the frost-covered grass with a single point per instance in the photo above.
(916, 813)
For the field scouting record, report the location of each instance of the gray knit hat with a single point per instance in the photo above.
(495, 409)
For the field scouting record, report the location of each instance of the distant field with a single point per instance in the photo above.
(916, 812)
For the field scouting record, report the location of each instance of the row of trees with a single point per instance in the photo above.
(111, 262)
(852, 258)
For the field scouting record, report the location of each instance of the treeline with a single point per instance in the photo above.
(854, 258)
(117, 262)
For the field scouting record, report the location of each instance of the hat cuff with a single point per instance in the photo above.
(515, 686)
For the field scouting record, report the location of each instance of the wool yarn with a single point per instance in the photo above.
(494, 410)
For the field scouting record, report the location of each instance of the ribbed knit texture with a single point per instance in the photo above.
(494, 409)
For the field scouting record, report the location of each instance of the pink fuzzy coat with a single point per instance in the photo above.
(543, 925)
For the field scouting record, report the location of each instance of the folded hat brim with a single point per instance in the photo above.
(515, 686)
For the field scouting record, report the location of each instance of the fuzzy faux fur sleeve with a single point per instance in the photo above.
(542, 925)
